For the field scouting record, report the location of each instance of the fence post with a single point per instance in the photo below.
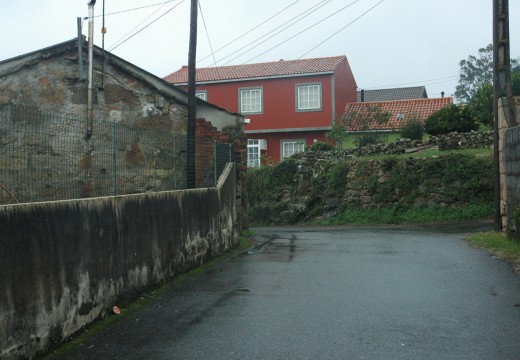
(114, 171)
(215, 157)
(174, 172)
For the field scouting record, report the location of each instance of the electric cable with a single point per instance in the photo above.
(249, 31)
(304, 30)
(446, 79)
(138, 8)
(284, 27)
(135, 27)
(131, 36)
(207, 34)
(344, 27)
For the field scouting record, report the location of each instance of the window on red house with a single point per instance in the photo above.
(202, 95)
(308, 97)
(290, 147)
(253, 153)
(251, 100)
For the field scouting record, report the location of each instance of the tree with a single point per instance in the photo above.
(515, 83)
(481, 104)
(339, 134)
(477, 71)
(364, 122)
(453, 118)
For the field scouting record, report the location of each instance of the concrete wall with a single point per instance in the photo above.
(63, 264)
(509, 160)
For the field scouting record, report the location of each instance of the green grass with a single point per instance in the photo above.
(128, 307)
(435, 152)
(498, 244)
(400, 215)
(386, 137)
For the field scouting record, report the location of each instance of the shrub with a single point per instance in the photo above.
(453, 118)
(412, 129)
(322, 146)
(369, 138)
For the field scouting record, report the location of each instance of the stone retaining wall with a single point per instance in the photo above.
(474, 139)
(316, 187)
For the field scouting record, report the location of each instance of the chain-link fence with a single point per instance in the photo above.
(45, 156)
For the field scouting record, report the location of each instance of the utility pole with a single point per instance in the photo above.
(90, 112)
(502, 91)
(192, 116)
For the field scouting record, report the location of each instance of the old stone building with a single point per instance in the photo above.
(138, 128)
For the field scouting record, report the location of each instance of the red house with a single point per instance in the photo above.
(288, 105)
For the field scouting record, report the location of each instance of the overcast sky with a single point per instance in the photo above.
(389, 43)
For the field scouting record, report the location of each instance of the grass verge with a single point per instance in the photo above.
(128, 307)
(498, 244)
(400, 215)
(480, 152)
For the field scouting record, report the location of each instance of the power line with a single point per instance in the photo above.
(291, 22)
(135, 27)
(304, 30)
(138, 8)
(445, 79)
(343, 28)
(131, 36)
(207, 34)
(249, 31)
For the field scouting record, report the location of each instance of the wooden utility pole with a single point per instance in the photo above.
(192, 107)
(502, 90)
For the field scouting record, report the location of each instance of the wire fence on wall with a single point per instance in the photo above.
(45, 156)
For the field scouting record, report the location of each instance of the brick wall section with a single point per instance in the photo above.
(205, 134)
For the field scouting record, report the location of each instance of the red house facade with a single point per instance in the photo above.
(288, 105)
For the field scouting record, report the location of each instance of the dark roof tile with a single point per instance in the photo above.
(416, 92)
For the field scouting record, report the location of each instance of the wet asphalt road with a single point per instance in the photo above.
(349, 293)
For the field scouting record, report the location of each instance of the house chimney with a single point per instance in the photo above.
(442, 93)
(362, 95)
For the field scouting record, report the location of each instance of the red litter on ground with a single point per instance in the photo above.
(116, 310)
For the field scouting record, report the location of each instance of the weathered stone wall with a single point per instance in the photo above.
(313, 187)
(47, 143)
(63, 264)
(509, 155)
(471, 140)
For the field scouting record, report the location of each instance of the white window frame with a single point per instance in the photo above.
(251, 100)
(253, 148)
(307, 101)
(202, 94)
(295, 143)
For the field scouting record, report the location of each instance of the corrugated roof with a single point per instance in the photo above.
(400, 111)
(259, 70)
(403, 93)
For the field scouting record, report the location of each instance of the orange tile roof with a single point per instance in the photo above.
(260, 70)
(419, 108)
